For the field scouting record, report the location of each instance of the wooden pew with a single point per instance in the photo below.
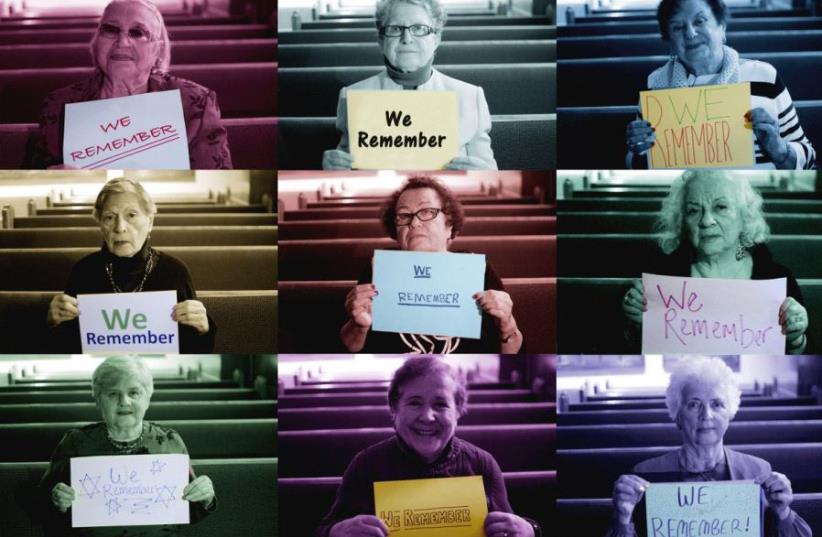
(374, 399)
(754, 24)
(246, 321)
(449, 52)
(205, 439)
(316, 313)
(243, 89)
(519, 141)
(60, 397)
(457, 33)
(452, 22)
(313, 91)
(178, 220)
(91, 22)
(515, 447)
(636, 405)
(377, 202)
(172, 208)
(306, 419)
(659, 415)
(22, 385)
(233, 480)
(590, 473)
(809, 206)
(157, 411)
(55, 55)
(361, 228)
(471, 210)
(650, 15)
(161, 236)
(212, 268)
(512, 257)
(180, 33)
(304, 501)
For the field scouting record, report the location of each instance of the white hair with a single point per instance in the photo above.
(115, 368)
(702, 371)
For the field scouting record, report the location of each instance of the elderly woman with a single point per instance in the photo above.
(702, 398)
(126, 263)
(131, 53)
(409, 34)
(712, 226)
(424, 216)
(122, 388)
(695, 30)
(426, 398)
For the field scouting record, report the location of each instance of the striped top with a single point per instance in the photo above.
(769, 92)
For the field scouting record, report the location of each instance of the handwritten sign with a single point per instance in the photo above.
(131, 322)
(403, 130)
(442, 507)
(427, 293)
(129, 490)
(712, 315)
(704, 508)
(703, 126)
(144, 131)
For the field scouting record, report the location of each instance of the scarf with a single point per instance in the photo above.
(412, 80)
(674, 74)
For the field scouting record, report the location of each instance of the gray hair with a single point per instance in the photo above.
(702, 371)
(422, 366)
(164, 58)
(120, 186)
(669, 223)
(433, 7)
(115, 368)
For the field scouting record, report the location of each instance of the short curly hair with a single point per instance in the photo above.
(121, 185)
(422, 366)
(433, 7)
(702, 370)
(113, 369)
(451, 206)
(668, 8)
(671, 219)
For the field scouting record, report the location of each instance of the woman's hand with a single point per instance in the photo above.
(501, 524)
(191, 313)
(628, 490)
(634, 302)
(766, 130)
(334, 159)
(200, 490)
(497, 304)
(639, 136)
(467, 163)
(358, 304)
(62, 308)
(793, 318)
(359, 526)
(778, 493)
(62, 496)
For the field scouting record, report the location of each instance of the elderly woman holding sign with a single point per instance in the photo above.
(122, 388)
(409, 32)
(702, 398)
(424, 216)
(426, 399)
(126, 263)
(131, 53)
(695, 31)
(712, 226)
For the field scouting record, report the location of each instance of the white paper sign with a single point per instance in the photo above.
(129, 490)
(145, 131)
(129, 322)
(712, 315)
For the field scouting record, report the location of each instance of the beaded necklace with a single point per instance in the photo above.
(149, 268)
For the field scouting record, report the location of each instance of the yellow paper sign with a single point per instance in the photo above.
(442, 507)
(402, 130)
(700, 127)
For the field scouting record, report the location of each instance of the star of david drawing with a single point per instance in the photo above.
(156, 467)
(165, 495)
(89, 485)
(113, 506)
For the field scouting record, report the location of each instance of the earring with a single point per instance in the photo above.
(740, 248)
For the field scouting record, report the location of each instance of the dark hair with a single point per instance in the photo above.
(421, 366)
(451, 206)
(668, 8)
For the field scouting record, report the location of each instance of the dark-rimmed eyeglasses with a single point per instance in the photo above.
(423, 215)
(136, 34)
(417, 30)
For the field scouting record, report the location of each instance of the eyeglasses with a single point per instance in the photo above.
(423, 215)
(417, 30)
(136, 34)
